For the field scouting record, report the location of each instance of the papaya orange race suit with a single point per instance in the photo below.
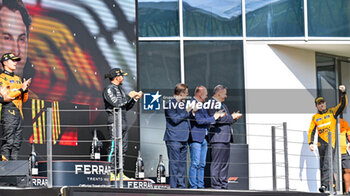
(11, 115)
(344, 139)
(325, 121)
(344, 134)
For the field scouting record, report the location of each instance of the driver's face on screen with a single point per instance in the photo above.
(13, 36)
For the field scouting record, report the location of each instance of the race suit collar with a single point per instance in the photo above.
(9, 73)
(322, 112)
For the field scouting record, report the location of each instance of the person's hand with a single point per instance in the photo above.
(139, 95)
(132, 94)
(195, 108)
(236, 115)
(189, 107)
(26, 84)
(219, 114)
(342, 88)
(311, 147)
(4, 92)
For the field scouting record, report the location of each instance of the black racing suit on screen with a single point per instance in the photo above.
(114, 97)
(324, 122)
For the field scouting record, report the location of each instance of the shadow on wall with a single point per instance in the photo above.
(294, 74)
(308, 163)
(301, 63)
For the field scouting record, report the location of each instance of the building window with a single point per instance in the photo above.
(326, 79)
(281, 18)
(158, 18)
(212, 18)
(159, 70)
(329, 18)
(210, 63)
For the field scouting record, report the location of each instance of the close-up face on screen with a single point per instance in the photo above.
(66, 47)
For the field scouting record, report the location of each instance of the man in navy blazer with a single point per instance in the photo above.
(176, 136)
(220, 136)
(200, 121)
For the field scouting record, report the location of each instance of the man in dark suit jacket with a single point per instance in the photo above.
(200, 121)
(220, 136)
(176, 136)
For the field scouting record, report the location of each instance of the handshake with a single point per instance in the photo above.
(135, 95)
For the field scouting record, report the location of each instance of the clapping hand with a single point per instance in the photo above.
(236, 115)
(4, 92)
(195, 108)
(189, 108)
(133, 94)
(26, 84)
(139, 95)
(219, 114)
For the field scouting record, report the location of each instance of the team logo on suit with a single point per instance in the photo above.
(12, 112)
(151, 101)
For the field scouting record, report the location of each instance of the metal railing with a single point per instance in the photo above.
(277, 151)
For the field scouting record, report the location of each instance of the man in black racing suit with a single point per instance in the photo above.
(114, 96)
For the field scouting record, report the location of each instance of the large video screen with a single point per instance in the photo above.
(66, 47)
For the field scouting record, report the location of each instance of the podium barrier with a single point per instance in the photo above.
(75, 173)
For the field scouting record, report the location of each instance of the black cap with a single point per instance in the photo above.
(8, 56)
(319, 99)
(114, 73)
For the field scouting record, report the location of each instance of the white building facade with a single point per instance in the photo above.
(274, 56)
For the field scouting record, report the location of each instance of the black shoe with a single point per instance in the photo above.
(322, 189)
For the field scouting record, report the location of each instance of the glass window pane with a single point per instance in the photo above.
(158, 18)
(159, 61)
(344, 73)
(329, 18)
(326, 79)
(210, 63)
(212, 18)
(159, 70)
(275, 18)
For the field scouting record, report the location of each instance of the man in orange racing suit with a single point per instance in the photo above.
(345, 156)
(11, 112)
(324, 121)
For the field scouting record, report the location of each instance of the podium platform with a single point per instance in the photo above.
(95, 191)
(14, 173)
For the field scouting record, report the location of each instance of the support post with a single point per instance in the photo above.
(49, 147)
(330, 152)
(273, 140)
(120, 149)
(286, 163)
